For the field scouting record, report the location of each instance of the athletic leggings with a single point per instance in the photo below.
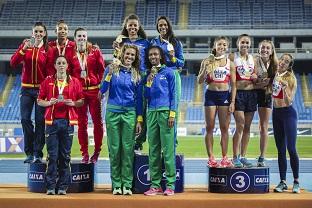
(285, 134)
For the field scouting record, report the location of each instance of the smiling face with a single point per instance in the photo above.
(61, 65)
(265, 50)
(243, 44)
(154, 56)
(284, 62)
(129, 56)
(162, 27)
(81, 39)
(39, 33)
(221, 47)
(132, 27)
(61, 31)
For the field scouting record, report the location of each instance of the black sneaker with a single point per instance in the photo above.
(280, 187)
(138, 149)
(29, 159)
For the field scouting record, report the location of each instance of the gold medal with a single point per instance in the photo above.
(119, 38)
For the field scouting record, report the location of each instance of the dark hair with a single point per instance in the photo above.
(67, 75)
(161, 53)
(241, 36)
(45, 38)
(291, 63)
(79, 29)
(61, 21)
(141, 32)
(89, 44)
(214, 52)
(170, 35)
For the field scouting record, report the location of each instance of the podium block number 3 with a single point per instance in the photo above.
(240, 181)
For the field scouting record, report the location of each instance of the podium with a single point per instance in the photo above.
(239, 180)
(82, 178)
(141, 177)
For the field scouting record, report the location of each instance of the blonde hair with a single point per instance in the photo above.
(135, 68)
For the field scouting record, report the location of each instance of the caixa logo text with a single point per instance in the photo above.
(217, 180)
(36, 176)
(81, 177)
(178, 174)
(262, 179)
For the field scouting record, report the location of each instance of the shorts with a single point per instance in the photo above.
(246, 100)
(264, 100)
(217, 98)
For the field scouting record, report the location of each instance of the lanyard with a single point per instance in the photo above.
(59, 48)
(61, 86)
(82, 58)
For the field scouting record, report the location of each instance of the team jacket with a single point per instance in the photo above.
(54, 53)
(160, 94)
(143, 45)
(178, 50)
(95, 69)
(124, 94)
(34, 62)
(48, 90)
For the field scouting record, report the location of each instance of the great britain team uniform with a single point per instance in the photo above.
(89, 69)
(59, 119)
(124, 105)
(284, 121)
(161, 102)
(246, 100)
(221, 74)
(34, 60)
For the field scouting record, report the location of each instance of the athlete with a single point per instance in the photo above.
(215, 71)
(123, 117)
(161, 104)
(88, 66)
(33, 55)
(245, 100)
(285, 121)
(173, 51)
(266, 65)
(60, 94)
(134, 34)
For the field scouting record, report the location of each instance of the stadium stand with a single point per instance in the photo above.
(109, 13)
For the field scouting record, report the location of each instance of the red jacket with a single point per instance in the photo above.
(48, 90)
(34, 62)
(95, 69)
(54, 53)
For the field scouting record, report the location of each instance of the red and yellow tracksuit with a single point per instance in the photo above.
(94, 74)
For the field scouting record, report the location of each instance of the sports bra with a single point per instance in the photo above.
(244, 68)
(221, 74)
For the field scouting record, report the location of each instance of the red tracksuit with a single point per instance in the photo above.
(55, 52)
(34, 65)
(94, 74)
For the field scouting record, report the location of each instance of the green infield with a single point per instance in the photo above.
(194, 147)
